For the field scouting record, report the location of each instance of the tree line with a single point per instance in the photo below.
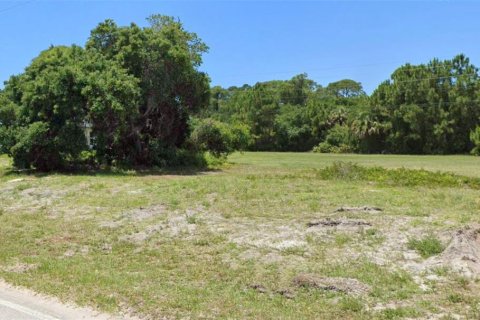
(431, 108)
(134, 96)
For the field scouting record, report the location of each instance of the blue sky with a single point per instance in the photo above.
(254, 41)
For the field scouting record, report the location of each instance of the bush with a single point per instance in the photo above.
(7, 139)
(475, 138)
(218, 138)
(323, 147)
(35, 148)
(338, 140)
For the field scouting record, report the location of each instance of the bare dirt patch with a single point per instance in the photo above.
(143, 235)
(328, 222)
(462, 255)
(264, 235)
(172, 224)
(344, 285)
(20, 267)
(142, 213)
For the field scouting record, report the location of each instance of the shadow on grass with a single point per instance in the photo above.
(115, 172)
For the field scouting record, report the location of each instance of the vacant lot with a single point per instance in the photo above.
(267, 236)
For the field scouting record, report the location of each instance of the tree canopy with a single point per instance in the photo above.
(132, 87)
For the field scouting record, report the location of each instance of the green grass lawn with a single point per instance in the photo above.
(201, 244)
(463, 165)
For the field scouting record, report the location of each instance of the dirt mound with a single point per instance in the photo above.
(344, 285)
(338, 222)
(360, 209)
(462, 254)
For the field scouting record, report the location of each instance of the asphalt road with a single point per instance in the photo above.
(22, 304)
(14, 306)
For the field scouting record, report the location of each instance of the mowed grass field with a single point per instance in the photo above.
(252, 239)
(462, 165)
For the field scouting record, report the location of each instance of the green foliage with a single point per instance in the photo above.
(64, 89)
(292, 115)
(129, 96)
(125, 99)
(218, 138)
(339, 140)
(422, 109)
(475, 138)
(429, 108)
(396, 177)
(346, 88)
(36, 148)
(427, 246)
(164, 59)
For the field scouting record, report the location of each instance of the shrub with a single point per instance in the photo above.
(338, 140)
(323, 147)
(35, 148)
(475, 138)
(218, 138)
(211, 135)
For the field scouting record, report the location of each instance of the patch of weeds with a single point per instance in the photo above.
(455, 297)
(174, 203)
(416, 222)
(202, 242)
(465, 218)
(209, 240)
(395, 177)
(386, 284)
(398, 313)
(314, 206)
(348, 303)
(298, 251)
(227, 215)
(23, 186)
(462, 281)
(427, 246)
(98, 186)
(372, 236)
(441, 271)
(2, 212)
(192, 219)
(342, 239)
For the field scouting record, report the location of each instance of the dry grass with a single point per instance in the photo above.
(197, 245)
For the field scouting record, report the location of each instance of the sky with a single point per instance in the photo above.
(252, 41)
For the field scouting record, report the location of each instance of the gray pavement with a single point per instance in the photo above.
(23, 304)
